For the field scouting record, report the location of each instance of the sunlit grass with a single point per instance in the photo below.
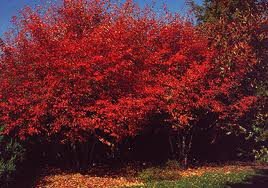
(160, 177)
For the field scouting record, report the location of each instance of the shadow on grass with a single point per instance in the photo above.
(35, 174)
(259, 180)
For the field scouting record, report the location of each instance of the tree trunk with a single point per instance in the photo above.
(184, 143)
(171, 146)
(92, 151)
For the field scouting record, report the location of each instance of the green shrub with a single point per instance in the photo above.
(173, 164)
(169, 172)
(11, 155)
(158, 174)
(261, 155)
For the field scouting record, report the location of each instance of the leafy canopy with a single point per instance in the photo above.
(98, 68)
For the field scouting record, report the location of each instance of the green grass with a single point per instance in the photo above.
(155, 178)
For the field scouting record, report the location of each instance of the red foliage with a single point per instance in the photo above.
(90, 67)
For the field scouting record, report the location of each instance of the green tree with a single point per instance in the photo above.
(234, 27)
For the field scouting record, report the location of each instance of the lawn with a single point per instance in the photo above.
(206, 180)
(160, 176)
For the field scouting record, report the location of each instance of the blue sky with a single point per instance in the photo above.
(9, 8)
